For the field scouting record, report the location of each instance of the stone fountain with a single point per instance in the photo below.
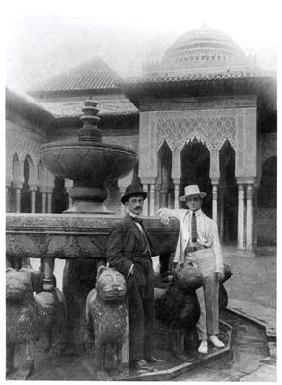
(89, 163)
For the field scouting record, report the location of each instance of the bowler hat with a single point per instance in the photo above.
(133, 190)
(192, 189)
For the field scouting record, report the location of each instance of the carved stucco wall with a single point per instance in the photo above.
(210, 126)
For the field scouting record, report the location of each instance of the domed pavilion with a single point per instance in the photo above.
(205, 114)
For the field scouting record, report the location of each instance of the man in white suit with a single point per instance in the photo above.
(199, 242)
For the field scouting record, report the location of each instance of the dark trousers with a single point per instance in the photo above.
(141, 319)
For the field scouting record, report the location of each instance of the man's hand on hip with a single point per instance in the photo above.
(130, 271)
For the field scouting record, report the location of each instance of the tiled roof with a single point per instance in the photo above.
(177, 76)
(93, 74)
(73, 109)
(26, 106)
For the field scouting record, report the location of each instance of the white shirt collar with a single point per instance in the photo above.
(133, 215)
(197, 213)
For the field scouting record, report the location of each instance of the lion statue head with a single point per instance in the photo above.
(111, 285)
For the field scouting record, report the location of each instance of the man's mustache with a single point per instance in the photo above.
(137, 207)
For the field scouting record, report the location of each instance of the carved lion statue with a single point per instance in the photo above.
(28, 314)
(106, 315)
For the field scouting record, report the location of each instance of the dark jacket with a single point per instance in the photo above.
(126, 245)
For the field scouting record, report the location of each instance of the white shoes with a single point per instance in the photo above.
(203, 348)
(216, 342)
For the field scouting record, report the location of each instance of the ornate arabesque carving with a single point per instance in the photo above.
(213, 131)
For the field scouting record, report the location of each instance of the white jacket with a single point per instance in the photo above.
(206, 230)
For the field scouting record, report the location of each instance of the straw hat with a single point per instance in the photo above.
(192, 189)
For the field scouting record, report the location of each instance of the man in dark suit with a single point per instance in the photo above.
(129, 250)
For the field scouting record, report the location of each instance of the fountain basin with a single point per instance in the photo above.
(89, 164)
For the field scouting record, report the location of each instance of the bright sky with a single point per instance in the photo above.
(46, 37)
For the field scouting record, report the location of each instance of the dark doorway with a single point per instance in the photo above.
(228, 195)
(26, 194)
(266, 215)
(195, 168)
(164, 182)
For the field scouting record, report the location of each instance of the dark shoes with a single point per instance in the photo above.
(140, 367)
(167, 276)
(154, 360)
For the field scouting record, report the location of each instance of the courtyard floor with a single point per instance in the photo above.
(252, 294)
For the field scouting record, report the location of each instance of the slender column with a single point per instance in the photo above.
(214, 175)
(33, 195)
(214, 203)
(176, 183)
(176, 196)
(49, 202)
(33, 189)
(18, 187)
(152, 199)
(214, 199)
(249, 218)
(43, 200)
(176, 175)
(146, 206)
(255, 210)
(240, 244)
(221, 213)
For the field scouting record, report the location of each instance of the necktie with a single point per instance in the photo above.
(194, 235)
(144, 231)
(138, 220)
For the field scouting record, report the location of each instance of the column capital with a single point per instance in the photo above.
(214, 181)
(240, 187)
(245, 180)
(148, 180)
(46, 189)
(8, 182)
(18, 184)
(33, 187)
(250, 191)
(176, 181)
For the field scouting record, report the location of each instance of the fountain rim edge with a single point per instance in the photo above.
(92, 144)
